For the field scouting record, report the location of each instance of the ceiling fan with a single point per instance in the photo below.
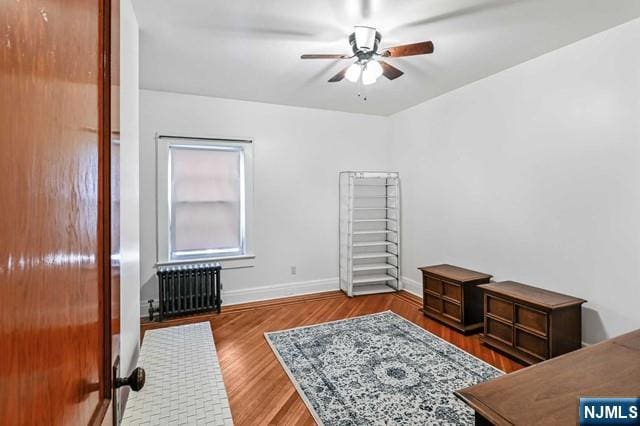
(364, 43)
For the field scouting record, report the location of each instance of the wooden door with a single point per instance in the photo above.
(55, 246)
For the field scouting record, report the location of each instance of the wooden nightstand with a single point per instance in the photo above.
(529, 323)
(451, 296)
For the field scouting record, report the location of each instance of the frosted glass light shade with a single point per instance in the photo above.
(353, 72)
(372, 70)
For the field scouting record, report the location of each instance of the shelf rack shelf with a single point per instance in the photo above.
(381, 231)
(374, 244)
(375, 255)
(362, 197)
(373, 220)
(372, 208)
(372, 289)
(369, 232)
(373, 267)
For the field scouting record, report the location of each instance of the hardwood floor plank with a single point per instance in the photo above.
(259, 390)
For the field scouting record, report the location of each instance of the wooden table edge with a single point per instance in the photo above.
(480, 408)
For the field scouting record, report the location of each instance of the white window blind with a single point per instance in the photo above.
(203, 191)
(206, 201)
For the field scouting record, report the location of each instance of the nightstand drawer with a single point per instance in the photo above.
(432, 302)
(452, 291)
(433, 285)
(451, 310)
(531, 344)
(531, 318)
(499, 307)
(499, 330)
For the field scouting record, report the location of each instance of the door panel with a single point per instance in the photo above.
(52, 247)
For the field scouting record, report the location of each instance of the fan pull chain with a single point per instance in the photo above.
(362, 91)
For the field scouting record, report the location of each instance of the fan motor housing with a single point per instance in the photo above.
(363, 53)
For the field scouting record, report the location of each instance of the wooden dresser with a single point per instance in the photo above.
(451, 295)
(547, 393)
(529, 323)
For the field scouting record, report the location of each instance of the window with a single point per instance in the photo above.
(204, 199)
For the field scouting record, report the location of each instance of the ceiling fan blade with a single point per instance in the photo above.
(421, 48)
(390, 71)
(339, 76)
(324, 56)
(465, 11)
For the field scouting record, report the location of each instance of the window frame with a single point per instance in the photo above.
(165, 232)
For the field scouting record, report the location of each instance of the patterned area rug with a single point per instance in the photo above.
(378, 369)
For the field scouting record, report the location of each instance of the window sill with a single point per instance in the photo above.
(229, 262)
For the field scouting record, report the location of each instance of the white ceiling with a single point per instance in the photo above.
(250, 49)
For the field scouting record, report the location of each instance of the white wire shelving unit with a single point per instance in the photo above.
(369, 232)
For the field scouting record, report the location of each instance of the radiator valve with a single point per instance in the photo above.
(152, 309)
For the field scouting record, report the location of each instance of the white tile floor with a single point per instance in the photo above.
(183, 382)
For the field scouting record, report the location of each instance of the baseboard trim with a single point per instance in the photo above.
(285, 290)
(272, 303)
(145, 324)
(409, 297)
(277, 291)
(412, 286)
(269, 292)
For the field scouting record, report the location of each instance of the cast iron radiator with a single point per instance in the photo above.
(186, 289)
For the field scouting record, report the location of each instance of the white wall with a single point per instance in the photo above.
(129, 190)
(532, 174)
(298, 153)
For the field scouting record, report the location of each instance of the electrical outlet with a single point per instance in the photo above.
(293, 270)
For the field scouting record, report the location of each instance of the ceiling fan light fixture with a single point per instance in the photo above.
(371, 71)
(353, 72)
(364, 42)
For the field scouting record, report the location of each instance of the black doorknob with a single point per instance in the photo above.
(135, 380)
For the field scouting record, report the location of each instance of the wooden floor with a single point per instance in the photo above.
(259, 390)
